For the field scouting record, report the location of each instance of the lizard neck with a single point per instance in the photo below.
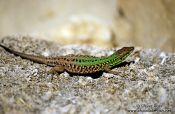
(115, 59)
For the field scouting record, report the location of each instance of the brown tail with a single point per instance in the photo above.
(38, 59)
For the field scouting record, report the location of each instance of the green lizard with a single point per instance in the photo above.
(79, 64)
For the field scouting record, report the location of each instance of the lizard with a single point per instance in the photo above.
(79, 64)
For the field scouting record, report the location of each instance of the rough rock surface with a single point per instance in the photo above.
(145, 85)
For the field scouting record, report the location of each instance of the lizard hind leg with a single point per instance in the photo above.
(57, 69)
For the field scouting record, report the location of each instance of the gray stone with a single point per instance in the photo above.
(146, 84)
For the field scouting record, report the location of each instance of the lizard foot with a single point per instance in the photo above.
(56, 69)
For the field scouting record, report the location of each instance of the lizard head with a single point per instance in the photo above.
(124, 52)
(119, 56)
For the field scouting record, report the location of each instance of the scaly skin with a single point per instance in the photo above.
(79, 64)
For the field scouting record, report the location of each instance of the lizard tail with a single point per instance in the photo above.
(38, 59)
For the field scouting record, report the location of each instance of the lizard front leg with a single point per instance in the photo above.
(110, 71)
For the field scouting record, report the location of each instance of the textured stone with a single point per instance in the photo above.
(27, 87)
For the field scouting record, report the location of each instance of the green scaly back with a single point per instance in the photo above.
(109, 61)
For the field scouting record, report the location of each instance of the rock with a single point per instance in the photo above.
(26, 87)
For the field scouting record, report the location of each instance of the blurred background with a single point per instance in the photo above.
(105, 23)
